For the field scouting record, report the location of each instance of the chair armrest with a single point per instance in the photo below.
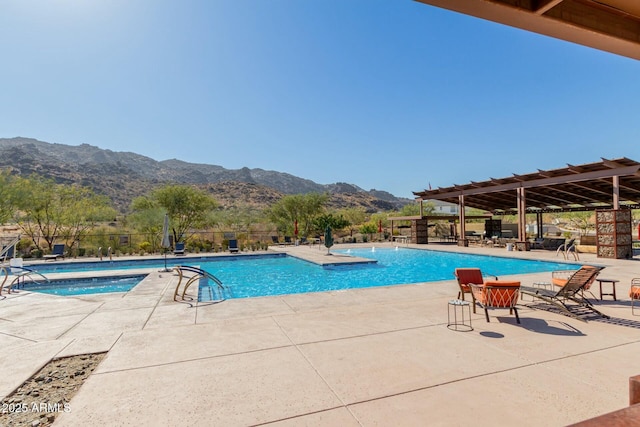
(560, 277)
(477, 291)
(562, 273)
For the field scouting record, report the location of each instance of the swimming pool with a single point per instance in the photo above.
(278, 274)
(95, 285)
(130, 264)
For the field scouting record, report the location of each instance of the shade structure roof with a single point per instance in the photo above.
(573, 188)
(608, 25)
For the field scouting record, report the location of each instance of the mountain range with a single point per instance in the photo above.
(123, 176)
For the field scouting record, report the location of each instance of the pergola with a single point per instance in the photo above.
(609, 25)
(608, 184)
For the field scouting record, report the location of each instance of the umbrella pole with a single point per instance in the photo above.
(166, 270)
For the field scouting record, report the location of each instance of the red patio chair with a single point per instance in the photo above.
(497, 294)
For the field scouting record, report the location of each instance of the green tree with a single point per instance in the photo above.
(355, 217)
(50, 211)
(301, 207)
(369, 229)
(39, 209)
(147, 217)
(188, 208)
(412, 209)
(7, 203)
(336, 222)
(583, 221)
(82, 212)
(236, 218)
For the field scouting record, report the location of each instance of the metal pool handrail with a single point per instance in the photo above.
(6, 276)
(199, 273)
(21, 275)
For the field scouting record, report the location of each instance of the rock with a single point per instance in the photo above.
(47, 387)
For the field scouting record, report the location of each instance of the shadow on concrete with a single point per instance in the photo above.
(614, 321)
(588, 316)
(490, 334)
(543, 327)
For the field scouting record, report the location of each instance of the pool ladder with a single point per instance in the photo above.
(21, 274)
(217, 295)
(109, 254)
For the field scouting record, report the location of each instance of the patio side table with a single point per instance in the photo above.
(613, 286)
(459, 322)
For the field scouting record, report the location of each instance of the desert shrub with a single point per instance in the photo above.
(145, 246)
(24, 244)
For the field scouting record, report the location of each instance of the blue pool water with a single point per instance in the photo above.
(67, 287)
(70, 267)
(277, 274)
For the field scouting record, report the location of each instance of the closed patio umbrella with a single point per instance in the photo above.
(328, 239)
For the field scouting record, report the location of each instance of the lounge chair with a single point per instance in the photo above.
(537, 243)
(179, 249)
(634, 293)
(233, 246)
(287, 240)
(571, 292)
(496, 294)
(275, 240)
(559, 278)
(465, 276)
(57, 252)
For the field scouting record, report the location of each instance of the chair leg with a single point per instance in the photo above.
(486, 314)
(515, 310)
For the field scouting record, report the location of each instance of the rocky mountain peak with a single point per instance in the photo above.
(124, 175)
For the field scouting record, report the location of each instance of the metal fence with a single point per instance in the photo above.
(105, 243)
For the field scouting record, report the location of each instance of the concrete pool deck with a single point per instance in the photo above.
(378, 356)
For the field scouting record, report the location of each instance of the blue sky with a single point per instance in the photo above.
(391, 95)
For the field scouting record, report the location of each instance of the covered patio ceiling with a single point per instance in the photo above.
(606, 184)
(608, 25)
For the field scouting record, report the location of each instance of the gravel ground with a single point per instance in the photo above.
(39, 400)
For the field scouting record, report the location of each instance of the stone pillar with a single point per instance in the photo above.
(613, 234)
(419, 231)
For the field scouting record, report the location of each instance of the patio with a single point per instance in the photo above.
(376, 356)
